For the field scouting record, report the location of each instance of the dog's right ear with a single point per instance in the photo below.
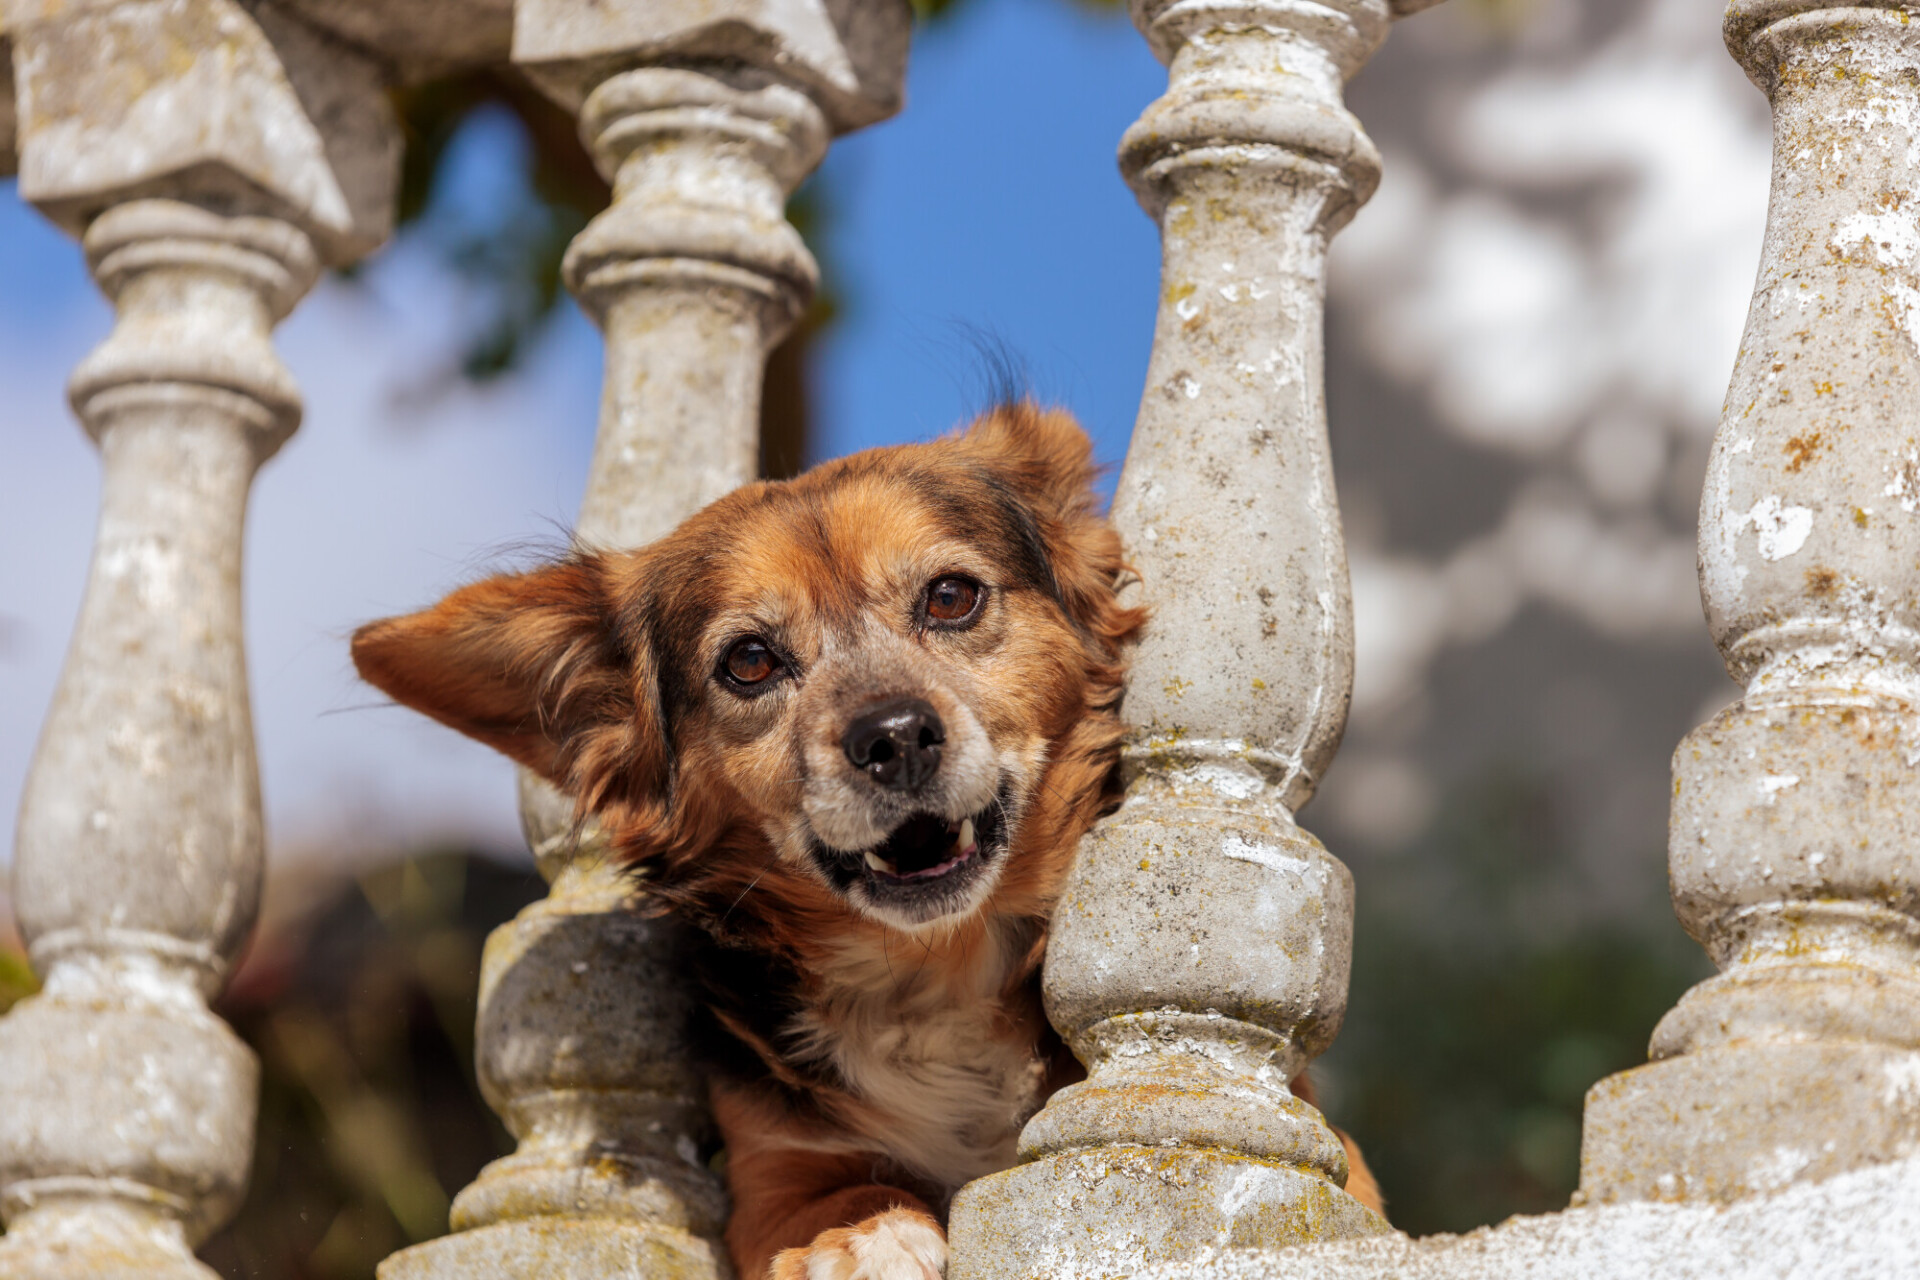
(535, 665)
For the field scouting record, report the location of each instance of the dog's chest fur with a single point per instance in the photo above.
(944, 1071)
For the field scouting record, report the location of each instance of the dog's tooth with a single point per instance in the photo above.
(877, 862)
(966, 835)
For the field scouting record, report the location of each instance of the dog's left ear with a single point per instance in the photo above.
(536, 666)
(1045, 457)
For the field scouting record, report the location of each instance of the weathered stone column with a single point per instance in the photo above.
(209, 190)
(1795, 853)
(1199, 959)
(703, 128)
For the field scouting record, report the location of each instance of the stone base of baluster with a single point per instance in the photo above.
(95, 1240)
(1113, 1210)
(594, 1181)
(1783, 1001)
(1198, 961)
(561, 1248)
(1722, 1123)
(126, 1133)
(1169, 1079)
(582, 1053)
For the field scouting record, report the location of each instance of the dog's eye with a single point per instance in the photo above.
(952, 599)
(750, 662)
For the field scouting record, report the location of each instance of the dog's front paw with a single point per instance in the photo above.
(900, 1244)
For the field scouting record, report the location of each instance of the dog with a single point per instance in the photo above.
(853, 726)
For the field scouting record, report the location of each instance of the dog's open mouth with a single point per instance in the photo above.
(925, 847)
(927, 856)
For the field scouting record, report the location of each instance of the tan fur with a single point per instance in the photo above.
(896, 1035)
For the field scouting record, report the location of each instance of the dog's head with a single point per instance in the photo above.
(893, 675)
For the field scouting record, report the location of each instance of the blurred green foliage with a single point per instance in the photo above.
(1504, 18)
(1487, 996)
(512, 255)
(515, 254)
(16, 979)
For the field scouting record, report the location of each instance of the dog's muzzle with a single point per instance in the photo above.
(927, 866)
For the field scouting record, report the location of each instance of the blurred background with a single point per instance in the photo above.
(1530, 330)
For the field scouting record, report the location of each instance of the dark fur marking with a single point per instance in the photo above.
(674, 625)
(1030, 548)
(760, 992)
(1016, 539)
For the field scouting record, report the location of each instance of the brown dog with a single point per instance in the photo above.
(854, 724)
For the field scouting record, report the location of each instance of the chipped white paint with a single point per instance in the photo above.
(1777, 1168)
(1722, 573)
(1903, 1082)
(1892, 236)
(1240, 1192)
(1271, 856)
(1904, 486)
(1782, 529)
(151, 563)
(1225, 780)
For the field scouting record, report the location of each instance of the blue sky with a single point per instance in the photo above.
(993, 204)
(991, 207)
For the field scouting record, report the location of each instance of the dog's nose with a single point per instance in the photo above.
(897, 743)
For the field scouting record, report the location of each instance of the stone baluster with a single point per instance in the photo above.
(1795, 836)
(1199, 959)
(703, 128)
(213, 159)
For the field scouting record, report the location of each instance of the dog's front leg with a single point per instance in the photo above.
(806, 1208)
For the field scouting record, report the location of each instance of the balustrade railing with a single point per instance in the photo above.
(1200, 958)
